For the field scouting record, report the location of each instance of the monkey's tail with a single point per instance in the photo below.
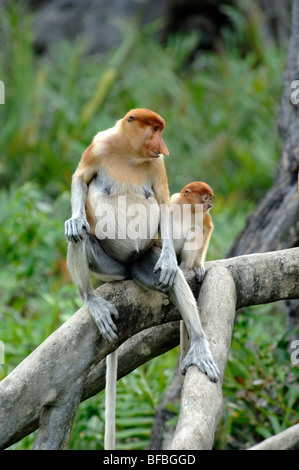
(110, 400)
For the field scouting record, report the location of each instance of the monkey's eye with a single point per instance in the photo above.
(131, 118)
(155, 128)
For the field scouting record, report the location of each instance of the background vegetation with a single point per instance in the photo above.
(221, 113)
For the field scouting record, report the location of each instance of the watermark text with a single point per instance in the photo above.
(122, 221)
(295, 353)
(295, 93)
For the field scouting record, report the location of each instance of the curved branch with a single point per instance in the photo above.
(137, 350)
(285, 440)
(41, 382)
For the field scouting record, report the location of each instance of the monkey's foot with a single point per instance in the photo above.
(199, 273)
(199, 355)
(102, 312)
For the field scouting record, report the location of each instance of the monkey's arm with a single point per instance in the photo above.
(190, 249)
(79, 255)
(208, 228)
(77, 226)
(167, 261)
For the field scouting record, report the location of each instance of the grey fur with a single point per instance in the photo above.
(112, 259)
(154, 268)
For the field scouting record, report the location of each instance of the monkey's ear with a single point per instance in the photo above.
(187, 192)
(131, 118)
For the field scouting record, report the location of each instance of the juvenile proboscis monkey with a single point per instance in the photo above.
(192, 246)
(125, 164)
(193, 235)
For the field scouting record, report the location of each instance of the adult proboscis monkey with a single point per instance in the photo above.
(125, 164)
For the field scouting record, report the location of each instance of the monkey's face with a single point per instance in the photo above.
(195, 198)
(156, 145)
(144, 129)
(147, 141)
(206, 201)
(198, 193)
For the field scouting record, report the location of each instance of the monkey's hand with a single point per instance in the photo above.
(168, 265)
(76, 229)
(199, 273)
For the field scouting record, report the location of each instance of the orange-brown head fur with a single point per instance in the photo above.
(128, 153)
(197, 192)
(143, 129)
(145, 116)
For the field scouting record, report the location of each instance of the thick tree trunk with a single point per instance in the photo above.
(275, 223)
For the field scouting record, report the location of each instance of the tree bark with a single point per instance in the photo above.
(36, 391)
(201, 401)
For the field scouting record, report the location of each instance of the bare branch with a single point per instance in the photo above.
(137, 350)
(285, 440)
(35, 392)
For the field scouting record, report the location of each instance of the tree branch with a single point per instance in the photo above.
(285, 440)
(201, 400)
(42, 381)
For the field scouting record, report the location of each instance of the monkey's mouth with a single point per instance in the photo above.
(154, 154)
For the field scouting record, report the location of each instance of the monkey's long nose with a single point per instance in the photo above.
(163, 149)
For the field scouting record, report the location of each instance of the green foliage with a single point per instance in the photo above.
(221, 128)
(261, 393)
(34, 299)
(219, 110)
(138, 395)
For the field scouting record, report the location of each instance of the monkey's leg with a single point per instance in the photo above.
(184, 346)
(88, 254)
(199, 353)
